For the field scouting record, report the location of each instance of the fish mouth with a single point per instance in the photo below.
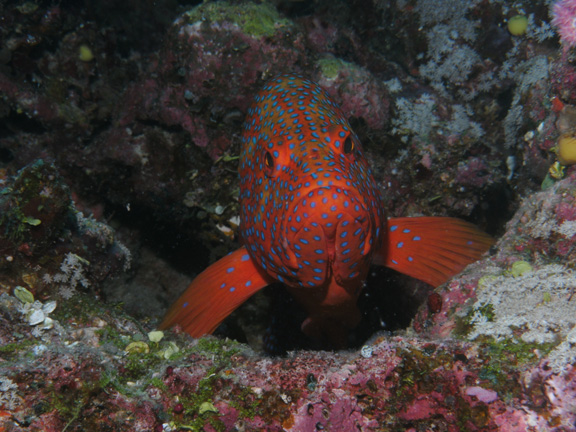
(327, 232)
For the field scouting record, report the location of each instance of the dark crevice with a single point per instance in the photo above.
(15, 123)
(6, 155)
(169, 239)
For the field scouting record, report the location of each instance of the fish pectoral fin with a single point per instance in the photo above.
(215, 293)
(431, 249)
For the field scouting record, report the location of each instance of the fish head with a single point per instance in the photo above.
(330, 226)
(311, 210)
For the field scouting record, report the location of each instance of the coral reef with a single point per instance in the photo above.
(110, 375)
(524, 294)
(46, 243)
(119, 136)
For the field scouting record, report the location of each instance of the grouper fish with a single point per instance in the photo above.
(312, 217)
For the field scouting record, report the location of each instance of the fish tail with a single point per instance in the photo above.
(432, 249)
(215, 293)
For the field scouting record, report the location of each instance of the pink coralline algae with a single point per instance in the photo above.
(474, 173)
(362, 96)
(482, 394)
(404, 384)
(564, 19)
(458, 117)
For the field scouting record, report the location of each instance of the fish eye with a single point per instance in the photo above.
(268, 164)
(268, 160)
(348, 145)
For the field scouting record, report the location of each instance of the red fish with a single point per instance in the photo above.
(312, 218)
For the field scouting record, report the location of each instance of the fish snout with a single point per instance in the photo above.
(328, 232)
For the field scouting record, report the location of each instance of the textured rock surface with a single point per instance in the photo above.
(119, 130)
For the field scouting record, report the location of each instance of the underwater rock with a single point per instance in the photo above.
(97, 380)
(46, 244)
(458, 116)
(523, 291)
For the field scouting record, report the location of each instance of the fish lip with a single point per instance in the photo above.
(329, 225)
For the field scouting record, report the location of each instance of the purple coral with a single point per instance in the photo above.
(564, 20)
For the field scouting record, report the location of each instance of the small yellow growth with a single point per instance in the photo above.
(23, 294)
(170, 350)
(556, 171)
(155, 336)
(137, 347)
(207, 407)
(486, 281)
(517, 25)
(31, 220)
(520, 268)
(566, 149)
(30, 279)
(27, 8)
(85, 53)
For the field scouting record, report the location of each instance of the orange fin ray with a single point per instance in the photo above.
(216, 293)
(432, 249)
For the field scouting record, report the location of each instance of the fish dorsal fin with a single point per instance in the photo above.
(215, 293)
(431, 249)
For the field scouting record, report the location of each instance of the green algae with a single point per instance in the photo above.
(80, 308)
(331, 66)
(73, 403)
(198, 406)
(503, 358)
(195, 416)
(507, 356)
(501, 363)
(257, 20)
(426, 370)
(221, 350)
(465, 324)
(12, 351)
(69, 409)
(138, 372)
(36, 205)
(520, 268)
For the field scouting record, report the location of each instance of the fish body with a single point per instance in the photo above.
(312, 218)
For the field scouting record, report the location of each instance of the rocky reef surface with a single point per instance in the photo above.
(118, 151)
